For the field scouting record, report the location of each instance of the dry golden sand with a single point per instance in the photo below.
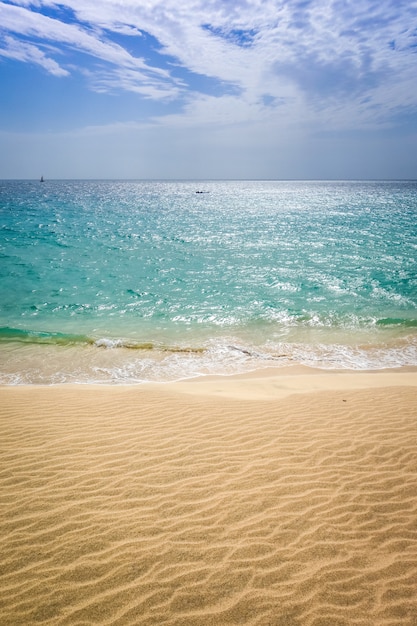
(276, 499)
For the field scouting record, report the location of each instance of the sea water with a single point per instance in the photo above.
(132, 281)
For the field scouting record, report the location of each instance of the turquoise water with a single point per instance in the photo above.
(114, 281)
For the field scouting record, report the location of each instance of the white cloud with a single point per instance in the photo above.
(43, 28)
(336, 63)
(27, 52)
(103, 80)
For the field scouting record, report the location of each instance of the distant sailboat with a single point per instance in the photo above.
(42, 179)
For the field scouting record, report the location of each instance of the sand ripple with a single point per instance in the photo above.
(145, 507)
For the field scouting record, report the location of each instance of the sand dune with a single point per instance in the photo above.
(185, 505)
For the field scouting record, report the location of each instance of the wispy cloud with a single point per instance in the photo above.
(39, 30)
(26, 52)
(350, 62)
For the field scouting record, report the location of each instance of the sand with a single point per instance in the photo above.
(272, 499)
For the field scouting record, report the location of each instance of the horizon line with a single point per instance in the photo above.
(267, 179)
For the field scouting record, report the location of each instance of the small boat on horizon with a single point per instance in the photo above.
(42, 179)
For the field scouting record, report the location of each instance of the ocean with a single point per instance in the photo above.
(136, 281)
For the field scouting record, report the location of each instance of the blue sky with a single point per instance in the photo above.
(208, 89)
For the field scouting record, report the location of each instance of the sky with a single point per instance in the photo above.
(206, 89)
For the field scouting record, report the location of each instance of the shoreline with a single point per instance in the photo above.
(105, 363)
(301, 379)
(253, 499)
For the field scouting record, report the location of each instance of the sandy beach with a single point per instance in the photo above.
(278, 498)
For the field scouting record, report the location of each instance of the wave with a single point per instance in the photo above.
(106, 342)
(397, 321)
(331, 325)
(20, 335)
(17, 335)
